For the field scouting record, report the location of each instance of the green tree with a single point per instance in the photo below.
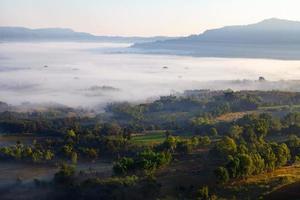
(222, 175)
(226, 146)
(232, 166)
(250, 136)
(269, 157)
(65, 175)
(282, 153)
(184, 147)
(49, 155)
(170, 143)
(204, 141)
(213, 132)
(123, 166)
(71, 134)
(74, 157)
(246, 166)
(235, 131)
(258, 163)
(203, 193)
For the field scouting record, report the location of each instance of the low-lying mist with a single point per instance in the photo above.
(93, 74)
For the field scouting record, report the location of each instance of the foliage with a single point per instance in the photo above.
(147, 161)
(65, 176)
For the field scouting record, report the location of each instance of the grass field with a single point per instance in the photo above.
(228, 117)
(157, 137)
(152, 137)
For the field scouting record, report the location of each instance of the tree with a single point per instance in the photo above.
(71, 134)
(74, 157)
(170, 143)
(67, 149)
(27, 152)
(203, 193)
(65, 175)
(37, 156)
(292, 119)
(222, 175)
(232, 166)
(258, 163)
(195, 141)
(91, 153)
(111, 129)
(242, 148)
(269, 157)
(282, 153)
(235, 131)
(213, 132)
(261, 128)
(246, 166)
(184, 147)
(204, 141)
(149, 160)
(226, 146)
(249, 135)
(49, 155)
(123, 166)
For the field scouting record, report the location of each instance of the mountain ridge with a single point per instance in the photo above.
(271, 38)
(15, 33)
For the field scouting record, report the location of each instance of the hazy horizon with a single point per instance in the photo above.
(142, 18)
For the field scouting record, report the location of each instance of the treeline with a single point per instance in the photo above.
(182, 112)
(71, 146)
(175, 112)
(263, 124)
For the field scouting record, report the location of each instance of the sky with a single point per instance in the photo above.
(143, 17)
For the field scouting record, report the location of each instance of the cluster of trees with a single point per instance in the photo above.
(146, 161)
(35, 153)
(244, 150)
(242, 162)
(149, 115)
(252, 126)
(178, 145)
(193, 112)
(37, 123)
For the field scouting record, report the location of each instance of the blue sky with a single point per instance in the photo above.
(143, 17)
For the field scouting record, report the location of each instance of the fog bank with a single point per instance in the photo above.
(90, 74)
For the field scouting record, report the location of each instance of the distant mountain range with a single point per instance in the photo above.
(21, 34)
(271, 38)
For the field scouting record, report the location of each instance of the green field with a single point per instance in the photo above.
(157, 137)
(153, 137)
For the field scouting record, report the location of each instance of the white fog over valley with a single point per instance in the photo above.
(90, 74)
